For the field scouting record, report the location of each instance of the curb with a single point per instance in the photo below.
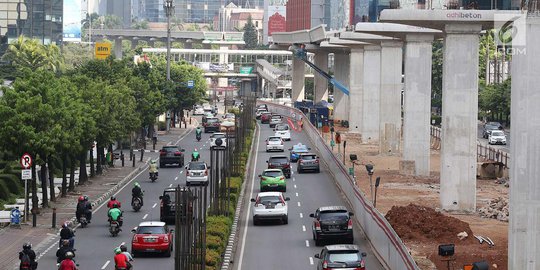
(229, 251)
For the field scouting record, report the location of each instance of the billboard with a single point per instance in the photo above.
(274, 18)
(72, 21)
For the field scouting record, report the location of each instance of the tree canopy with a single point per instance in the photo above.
(250, 34)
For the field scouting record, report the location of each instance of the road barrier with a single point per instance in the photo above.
(387, 245)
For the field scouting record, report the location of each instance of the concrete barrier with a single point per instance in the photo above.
(385, 242)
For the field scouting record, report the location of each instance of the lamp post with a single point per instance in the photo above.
(370, 169)
(377, 182)
(168, 6)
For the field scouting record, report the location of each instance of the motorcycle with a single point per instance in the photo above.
(83, 221)
(198, 137)
(114, 228)
(195, 158)
(136, 204)
(153, 176)
(58, 265)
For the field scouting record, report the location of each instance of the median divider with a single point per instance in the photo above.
(388, 247)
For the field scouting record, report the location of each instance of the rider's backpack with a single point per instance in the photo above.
(25, 261)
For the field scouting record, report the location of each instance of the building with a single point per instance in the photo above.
(306, 14)
(274, 19)
(41, 20)
(197, 11)
(234, 18)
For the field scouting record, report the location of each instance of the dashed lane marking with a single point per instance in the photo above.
(296, 194)
(303, 228)
(105, 265)
(154, 206)
(311, 260)
(294, 186)
(299, 204)
(145, 216)
(307, 243)
(170, 185)
(176, 178)
(301, 215)
(294, 179)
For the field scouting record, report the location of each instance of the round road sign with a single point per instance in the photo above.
(26, 161)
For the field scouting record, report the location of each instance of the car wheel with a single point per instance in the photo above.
(168, 253)
(318, 170)
(134, 253)
(161, 165)
(284, 189)
(318, 242)
(255, 222)
(286, 220)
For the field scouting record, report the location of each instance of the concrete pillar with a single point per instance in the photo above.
(356, 89)
(298, 79)
(118, 48)
(524, 224)
(372, 93)
(151, 43)
(459, 117)
(341, 73)
(417, 103)
(320, 83)
(390, 108)
(134, 43)
(188, 45)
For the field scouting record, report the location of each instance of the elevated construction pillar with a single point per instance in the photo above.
(371, 99)
(118, 48)
(298, 79)
(341, 73)
(356, 88)
(320, 83)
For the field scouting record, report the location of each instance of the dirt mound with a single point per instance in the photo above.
(419, 223)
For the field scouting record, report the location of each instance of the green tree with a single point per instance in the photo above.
(31, 54)
(143, 24)
(111, 22)
(436, 74)
(250, 34)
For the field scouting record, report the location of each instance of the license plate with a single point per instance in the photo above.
(333, 227)
(150, 240)
(196, 174)
(150, 249)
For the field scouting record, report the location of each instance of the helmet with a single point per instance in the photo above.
(123, 248)
(153, 161)
(117, 251)
(137, 184)
(115, 205)
(70, 255)
(65, 243)
(85, 198)
(195, 150)
(113, 198)
(81, 198)
(64, 225)
(27, 246)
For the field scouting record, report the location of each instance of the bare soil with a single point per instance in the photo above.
(411, 204)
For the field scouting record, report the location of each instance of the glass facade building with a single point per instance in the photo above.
(198, 11)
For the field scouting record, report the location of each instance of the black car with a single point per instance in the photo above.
(332, 223)
(212, 125)
(488, 128)
(171, 154)
(308, 162)
(167, 211)
(280, 162)
(341, 257)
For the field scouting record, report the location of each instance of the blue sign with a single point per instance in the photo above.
(15, 216)
(190, 84)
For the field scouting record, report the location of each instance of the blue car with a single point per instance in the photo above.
(296, 150)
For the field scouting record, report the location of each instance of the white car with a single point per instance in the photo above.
(274, 120)
(283, 131)
(220, 135)
(198, 111)
(270, 206)
(274, 143)
(497, 137)
(196, 173)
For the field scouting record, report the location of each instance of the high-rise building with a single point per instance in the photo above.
(305, 14)
(197, 11)
(41, 20)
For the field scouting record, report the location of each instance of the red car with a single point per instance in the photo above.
(265, 117)
(152, 236)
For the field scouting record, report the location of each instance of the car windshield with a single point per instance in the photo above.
(229, 115)
(491, 127)
(497, 133)
(170, 149)
(344, 256)
(198, 166)
(278, 160)
(341, 215)
(282, 127)
(497, 124)
(276, 117)
(273, 173)
(171, 195)
(212, 120)
(269, 199)
(151, 230)
(274, 139)
(308, 157)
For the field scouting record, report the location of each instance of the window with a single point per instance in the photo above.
(344, 256)
(340, 215)
(308, 157)
(151, 230)
(198, 166)
(273, 173)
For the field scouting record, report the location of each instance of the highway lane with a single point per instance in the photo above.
(275, 246)
(484, 142)
(95, 245)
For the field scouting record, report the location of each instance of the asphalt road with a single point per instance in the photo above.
(505, 148)
(276, 246)
(95, 245)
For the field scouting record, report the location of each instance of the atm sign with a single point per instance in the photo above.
(102, 50)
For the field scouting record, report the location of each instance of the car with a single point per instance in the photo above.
(212, 125)
(497, 124)
(487, 130)
(262, 106)
(167, 208)
(274, 143)
(308, 162)
(229, 116)
(171, 154)
(265, 117)
(152, 236)
(297, 150)
(198, 111)
(280, 162)
(260, 112)
(341, 257)
(283, 131)
(332, 223)
(218, 135)
(497, 137)
(270, 206)
(196, 173)
(273, 179)
(274, 120)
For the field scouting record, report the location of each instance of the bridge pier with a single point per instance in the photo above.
(341, 72)
(298, 79)
(118, 48)
(320, 91)
(356, 88)
(371, 99)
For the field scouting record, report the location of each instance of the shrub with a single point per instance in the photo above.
(220, 230)
(4, 191)
(162, 125)
(214, 242)
(236, 183)
(212, 257)
(436, 118)
(12, 183)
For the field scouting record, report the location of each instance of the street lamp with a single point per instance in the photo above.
(370, 169)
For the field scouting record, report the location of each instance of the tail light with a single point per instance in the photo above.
(317, 225)
(206, 172)
(300, 161)
(316, 161)
(286, 166)
(267, 142)
(162, 153)
(282, 178)
(281, 142)
(165, 239)
(161, 204)
(349, 224)
(362, 265)
(135, 240)
(177, 153)
(325, 265)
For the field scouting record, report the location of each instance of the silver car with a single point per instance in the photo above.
(308, 162)
(196, 173)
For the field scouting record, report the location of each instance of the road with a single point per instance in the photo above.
(290, 246)
(95, 245)
(505, 148)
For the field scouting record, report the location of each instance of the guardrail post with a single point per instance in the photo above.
(54, 218)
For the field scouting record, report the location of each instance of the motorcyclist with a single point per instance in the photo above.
(112, 202)
(61, 252)
(153, 168)
(27, 257)
(195, 155)
(88, 209)
(123, 248)
(120, 260)
(115, 214)
(84, 207)
(66, 233)
(136, 192)
(198, 132)
(68, 263)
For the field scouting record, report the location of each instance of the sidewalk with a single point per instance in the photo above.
(97, 189)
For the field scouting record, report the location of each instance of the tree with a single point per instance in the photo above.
(436, 74)
(250, 34)
(140, 24)
(30, 54)
(112, 22)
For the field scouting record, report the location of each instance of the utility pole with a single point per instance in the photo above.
(169, 11)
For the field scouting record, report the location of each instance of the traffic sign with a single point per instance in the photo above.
(26, 161)
(15, 216)
(190, 84)
(102, 50)
(26, 174)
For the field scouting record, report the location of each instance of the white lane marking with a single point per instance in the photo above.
(301, 215)
(105, 265)
(176, 178)
(154, 206)
(296, 194)
(181, 171)
(292, 172)
(311, 260)
(294, 178)
(307, 243)
(249, 204)
(170, 185)
(303, 228)
(145, 216)
(294, 186)
(299, 204)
